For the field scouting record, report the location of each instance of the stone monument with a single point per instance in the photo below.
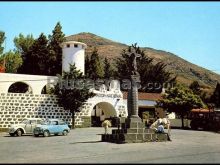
(133, 91)
(133, 129)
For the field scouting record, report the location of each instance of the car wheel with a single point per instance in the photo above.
(19, 132)
(36, 135)
(65, 132)
(46, 133)
(12, 134)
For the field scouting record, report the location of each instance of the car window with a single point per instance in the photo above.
(45, 123)
(24, 121)
(33, 122)
(54, 122)
(39, 121)
(62, 123)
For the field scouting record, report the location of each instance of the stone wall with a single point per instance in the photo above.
(16, 106)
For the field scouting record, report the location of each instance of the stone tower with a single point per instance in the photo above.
(73, 53)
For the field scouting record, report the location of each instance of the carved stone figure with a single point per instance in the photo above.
(133, 57)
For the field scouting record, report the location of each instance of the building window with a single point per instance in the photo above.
(75, 45)
(67, 45)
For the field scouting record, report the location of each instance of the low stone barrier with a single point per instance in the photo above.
(16, 106)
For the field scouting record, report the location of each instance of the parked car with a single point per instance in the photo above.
(26, 126)
(52, 126)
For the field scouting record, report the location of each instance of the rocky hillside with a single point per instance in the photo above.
(186, 72)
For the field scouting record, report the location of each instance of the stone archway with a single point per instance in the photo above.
(20, 87)
(102, 111)
(48, 89)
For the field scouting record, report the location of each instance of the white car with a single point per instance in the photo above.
(26, 126)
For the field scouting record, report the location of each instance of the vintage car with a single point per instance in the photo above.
(26, 126)
(52, 126)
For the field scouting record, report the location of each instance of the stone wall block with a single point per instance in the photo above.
(16, 106)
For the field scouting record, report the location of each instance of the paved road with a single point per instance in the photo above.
(83, 145)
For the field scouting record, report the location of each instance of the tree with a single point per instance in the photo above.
(181, 100)
(2, 60)
(13, 61)
(55, 50)
(2, 39)
(48, 59)
(108, 71)
(195, 87)
(215, 98)
(38, 60)
(72, 97)
(153, 76)
(87, 66)
(95, 68)
(23, 45)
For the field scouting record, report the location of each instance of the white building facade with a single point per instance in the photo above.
(107, 103)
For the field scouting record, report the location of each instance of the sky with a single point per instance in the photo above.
(190, 30)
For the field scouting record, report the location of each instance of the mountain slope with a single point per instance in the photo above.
(186, 72)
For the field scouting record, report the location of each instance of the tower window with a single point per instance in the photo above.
(67, 45)
(75, 45)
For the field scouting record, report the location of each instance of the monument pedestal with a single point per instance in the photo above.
(133, 131)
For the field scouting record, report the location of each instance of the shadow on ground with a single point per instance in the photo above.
(87, 142)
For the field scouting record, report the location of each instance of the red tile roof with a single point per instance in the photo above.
(145, 96)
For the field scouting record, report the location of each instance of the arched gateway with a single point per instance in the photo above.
(108, 103)
(102, 111)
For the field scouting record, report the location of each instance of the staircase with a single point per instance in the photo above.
(134, 132)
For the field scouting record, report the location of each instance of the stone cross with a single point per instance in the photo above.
(133, 92)
(133, 57)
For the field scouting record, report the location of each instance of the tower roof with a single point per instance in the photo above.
(73, 42)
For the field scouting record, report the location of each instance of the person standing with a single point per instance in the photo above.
(118, 121)
(106, 124)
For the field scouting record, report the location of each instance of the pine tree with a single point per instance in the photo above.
(55, 50)
(87, 66)
(37, 60)
(23, 45)
(96, 70)
(153, 76)
(2, 60)
(2, 39)
(108, 71)
(195, 87)
(51, 63)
